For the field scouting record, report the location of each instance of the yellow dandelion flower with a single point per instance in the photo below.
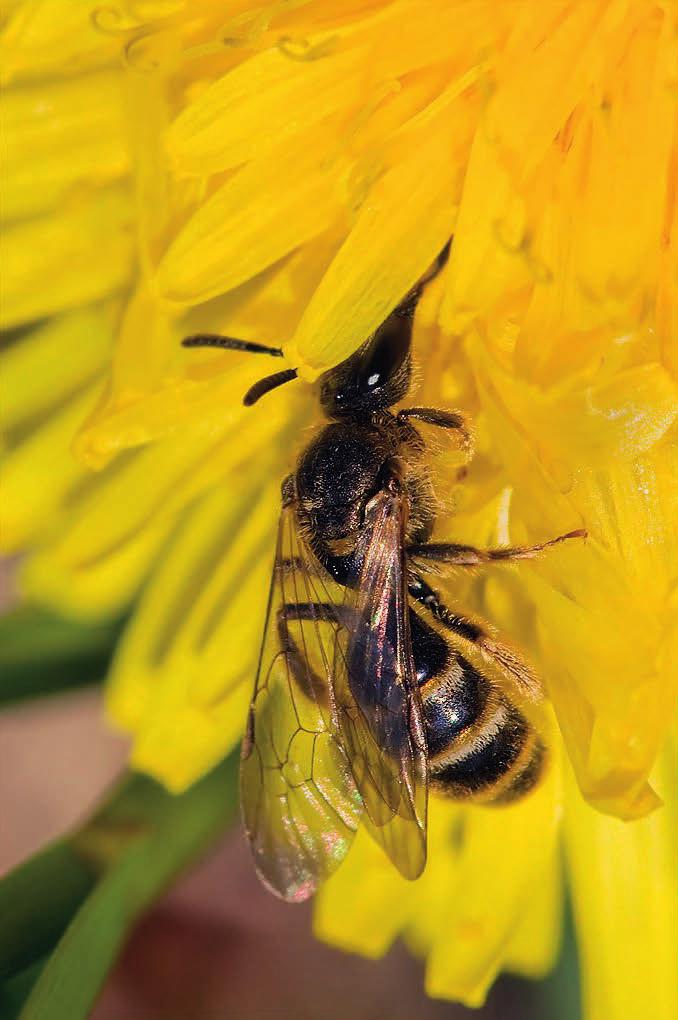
(285, 172)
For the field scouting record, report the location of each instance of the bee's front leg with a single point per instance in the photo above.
(450, 420)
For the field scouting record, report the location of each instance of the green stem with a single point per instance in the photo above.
(41, 653)
(84, 894)
(37, 901)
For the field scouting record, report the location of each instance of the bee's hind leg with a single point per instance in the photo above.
(481, 636)
(469, 556)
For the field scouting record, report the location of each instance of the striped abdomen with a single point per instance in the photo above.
(480, 745)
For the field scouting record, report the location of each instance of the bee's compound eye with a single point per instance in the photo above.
(386, 356)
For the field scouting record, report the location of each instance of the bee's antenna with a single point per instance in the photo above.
(229, 343)
(270, 382)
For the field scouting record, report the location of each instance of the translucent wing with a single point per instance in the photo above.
(377, 697)
(299, 800)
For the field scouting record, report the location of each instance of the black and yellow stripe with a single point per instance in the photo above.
(481, 747)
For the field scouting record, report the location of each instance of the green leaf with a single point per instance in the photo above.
(37, 900)
(131, 850)
(41, 653)
(15, 991)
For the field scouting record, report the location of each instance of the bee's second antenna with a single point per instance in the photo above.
(270, 382)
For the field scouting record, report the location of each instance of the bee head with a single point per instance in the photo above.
(376, 376)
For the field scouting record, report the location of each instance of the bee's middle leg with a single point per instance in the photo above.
(306, 611)
(308, 681)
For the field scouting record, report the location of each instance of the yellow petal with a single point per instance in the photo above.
(625, 895)
(119, 519)
(533, 947)
(557, 230)
(90, 590)
(35, 502)
(499, 866)
(473, 912)
(572, 466)
(617, 220)
(48, 376)
(261, 90)
(171, 388)
(60, 136)
(40, 37)
(667, 293)
(52, 362)
(38, 279)
(215, 404)
(366, 903)
(609, 630)
(390, 246)
(185, 671)
(489, 228)
(261, 213)
(560, 50)
(588, 423)
(317, 74)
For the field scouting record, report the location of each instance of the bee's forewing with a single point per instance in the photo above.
(299, 800)
(377, 698)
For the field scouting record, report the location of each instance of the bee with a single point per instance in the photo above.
(370, 689)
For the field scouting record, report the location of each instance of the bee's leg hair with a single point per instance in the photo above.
(481, 635)
(469, 556)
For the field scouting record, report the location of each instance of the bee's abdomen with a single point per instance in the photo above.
(480, 746)
(524, 778)
(502, 762)
(452, 706)
(453, 693)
